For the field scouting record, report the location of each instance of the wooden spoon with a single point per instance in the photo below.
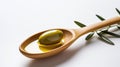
(70, 35)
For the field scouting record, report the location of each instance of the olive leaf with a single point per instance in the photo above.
(83, 25)
(89, 35)
(80, 24)
(117, 10)
(119, 14)
(102, 37)
(100, 17)
(118, 26)
(110, 33)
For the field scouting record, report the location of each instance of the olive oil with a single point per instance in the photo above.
(50, 47)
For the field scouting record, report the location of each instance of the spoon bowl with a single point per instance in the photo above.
(70, 35)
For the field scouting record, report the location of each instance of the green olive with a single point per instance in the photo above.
(50, 37)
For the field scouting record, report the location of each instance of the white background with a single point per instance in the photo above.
(20, 19)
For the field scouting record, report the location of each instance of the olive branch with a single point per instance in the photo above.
(101, 32)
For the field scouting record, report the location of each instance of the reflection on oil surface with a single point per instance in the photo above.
(33, 48)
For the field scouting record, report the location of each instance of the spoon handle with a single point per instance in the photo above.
(98, 25)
